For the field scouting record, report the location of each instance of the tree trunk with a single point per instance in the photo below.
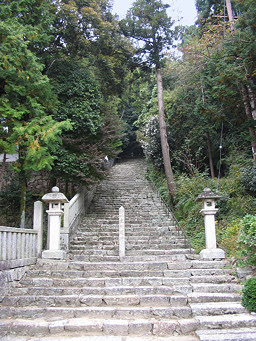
(3, 171)
(230, 14)
(23, 190)
(163, 135)
(210, 155)
(249, 116)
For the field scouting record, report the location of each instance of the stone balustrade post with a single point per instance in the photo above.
(38, 225)
(209, 211)
(121, 234)
(55, 212)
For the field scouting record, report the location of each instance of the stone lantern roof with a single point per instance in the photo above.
(208, 194)
(55, 196)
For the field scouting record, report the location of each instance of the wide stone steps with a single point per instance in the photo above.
(103, 312)
(115, 290)
(161, 291)
(93, 326)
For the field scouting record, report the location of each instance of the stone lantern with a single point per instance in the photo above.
(209, 211)
(55, 212)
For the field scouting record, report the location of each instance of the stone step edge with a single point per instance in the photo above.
(226, 333)
(71, 337)
(114, 327)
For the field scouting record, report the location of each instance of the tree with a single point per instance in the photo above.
(94, 134)
(148, 24)
(26, 105)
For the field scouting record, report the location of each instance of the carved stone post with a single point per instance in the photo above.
(209, 211)
(55, 199)
(121, 234)
(38, 225)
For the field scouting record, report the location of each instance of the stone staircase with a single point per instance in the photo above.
(161, 291)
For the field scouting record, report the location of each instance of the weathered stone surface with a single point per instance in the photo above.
(188, 326)
(115, 327)
(164, 328)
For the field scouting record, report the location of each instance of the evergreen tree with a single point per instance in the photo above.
(148, 24)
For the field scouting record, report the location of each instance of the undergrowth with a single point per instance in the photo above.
(235, 204)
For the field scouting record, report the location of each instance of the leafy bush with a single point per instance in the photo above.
(247, 238)
(228, 236)
(248, 179)
(249, 294)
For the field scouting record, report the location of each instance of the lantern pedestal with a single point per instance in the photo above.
(211, 254)
(55, 212)
(209, 211)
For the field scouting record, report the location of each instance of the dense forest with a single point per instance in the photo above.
(78, 84)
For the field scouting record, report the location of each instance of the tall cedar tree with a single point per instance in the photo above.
(148, 24)
(26, 98)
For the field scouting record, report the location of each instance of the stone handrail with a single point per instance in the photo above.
(73, 211)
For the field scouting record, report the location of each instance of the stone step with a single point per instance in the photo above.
(133, 232)
(71, 337)
(217, 308)
(72, 290)
(232, 321)
(77, 256)
(239, 334)
(81, 300)
(91, 312)
(156, 251)
(131, 249)
(217, 288)
(84, 327)
(111, 273)
(212, 279)
(78, 282)
(162, 244)
(129, 237)
(202, 297)
(47, 265)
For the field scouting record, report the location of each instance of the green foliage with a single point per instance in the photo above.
(10, 200)
(248, 179)
(228, 237)
(234, 204)
(147, 22)
(247, 238)
(249, 294)
(79, 96)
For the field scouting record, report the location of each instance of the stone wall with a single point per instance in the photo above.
(8, 278)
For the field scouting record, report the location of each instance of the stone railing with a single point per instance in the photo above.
(21, 247)
(73, 212)
(18, 247)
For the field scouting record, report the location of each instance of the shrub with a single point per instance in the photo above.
(248, 179)
(247, 238)
(229, 235)
(249, 294)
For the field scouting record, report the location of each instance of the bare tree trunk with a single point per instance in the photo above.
(163, 135)
(252, 101)
(23, 192)
(3, 171)
(249, 116)
(248, 99)
(208, 140)
(230, 14)
(210, 155)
